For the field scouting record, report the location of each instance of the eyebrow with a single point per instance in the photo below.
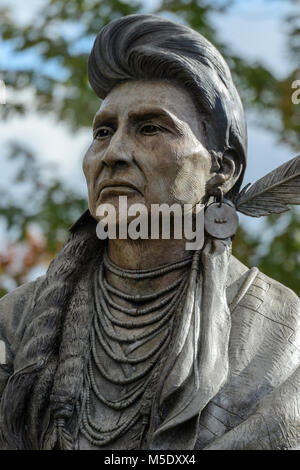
(142, 115)
(147, 114)
(104, 117)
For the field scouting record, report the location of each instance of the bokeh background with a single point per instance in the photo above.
(45, 125)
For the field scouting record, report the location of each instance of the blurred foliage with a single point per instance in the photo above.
(48, 202)
(56, 43)
(61, 36)
(282, 257)
(278, 255)
(37, 222)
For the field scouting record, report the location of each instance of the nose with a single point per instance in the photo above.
(119, 151)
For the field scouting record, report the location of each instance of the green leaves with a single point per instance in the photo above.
(46, 201)
(56, 44)
(278, 256)
(51, 39)
(62, 34)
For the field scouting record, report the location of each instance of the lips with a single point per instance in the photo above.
(116, 184)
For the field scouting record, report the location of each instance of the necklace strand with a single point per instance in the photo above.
(103, 332)
(127, 360)
(139, 274)
(140, 323)
(140, 298)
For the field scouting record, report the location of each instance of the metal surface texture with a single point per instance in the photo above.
(221, 220)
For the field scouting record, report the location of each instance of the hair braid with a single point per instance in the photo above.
(42, 360)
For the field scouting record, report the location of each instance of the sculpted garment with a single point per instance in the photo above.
(230, 380)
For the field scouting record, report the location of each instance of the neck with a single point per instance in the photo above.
(146, 254)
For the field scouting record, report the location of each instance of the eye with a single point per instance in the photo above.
(150, 129)
(103, 133)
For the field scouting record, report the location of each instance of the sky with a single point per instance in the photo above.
(252, 29)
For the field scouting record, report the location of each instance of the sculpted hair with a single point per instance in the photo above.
(55, 345)
(150, 47)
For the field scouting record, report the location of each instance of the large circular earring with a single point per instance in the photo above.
(220, 217)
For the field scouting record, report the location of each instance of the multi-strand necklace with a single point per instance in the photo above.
(153, 314)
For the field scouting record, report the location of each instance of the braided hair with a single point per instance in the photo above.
(51, 357)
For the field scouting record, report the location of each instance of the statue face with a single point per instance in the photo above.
(148, 145)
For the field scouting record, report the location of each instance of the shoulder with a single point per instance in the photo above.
(265, 334)
(265, 317)
(254, 290)
(264, 345)
(282, 304)
(277, 309)
(14, 308)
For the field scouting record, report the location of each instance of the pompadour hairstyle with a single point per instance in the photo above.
(153, 48)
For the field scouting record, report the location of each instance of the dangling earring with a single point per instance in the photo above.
(220, 218)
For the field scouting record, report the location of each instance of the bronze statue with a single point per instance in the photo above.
(141, 344)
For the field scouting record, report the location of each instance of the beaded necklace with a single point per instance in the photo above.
(106, 340)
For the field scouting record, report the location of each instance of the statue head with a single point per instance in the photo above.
(171, 122)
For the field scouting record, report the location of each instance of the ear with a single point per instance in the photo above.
(230, 168)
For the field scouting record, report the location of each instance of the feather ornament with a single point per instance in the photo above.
(272, 194)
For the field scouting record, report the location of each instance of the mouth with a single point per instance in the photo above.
(117, 186)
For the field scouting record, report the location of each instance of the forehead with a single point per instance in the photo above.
(131, 96)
